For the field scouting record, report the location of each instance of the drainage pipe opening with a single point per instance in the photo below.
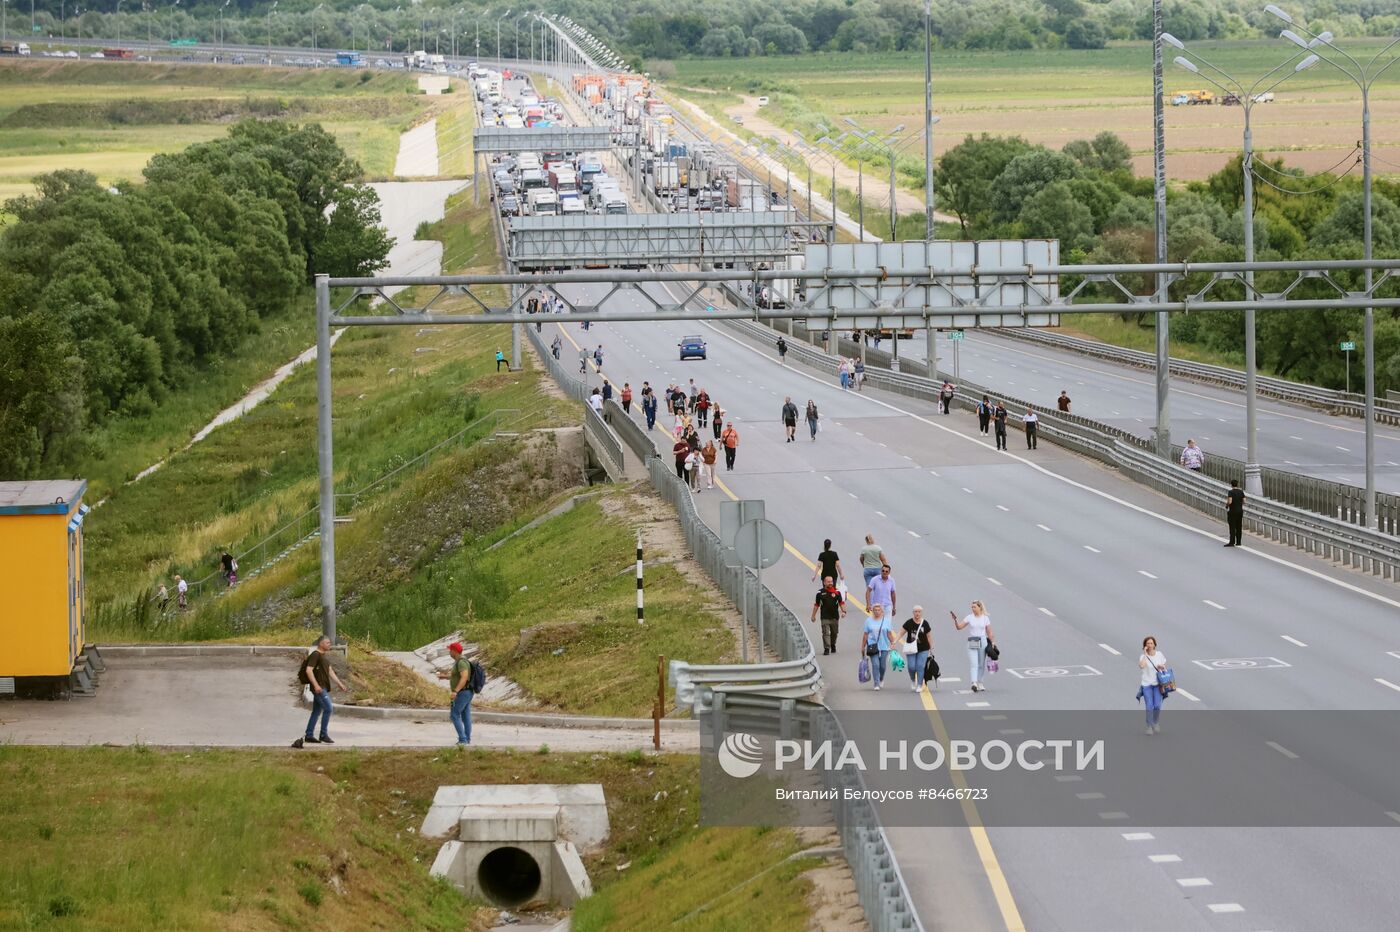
(509, 877)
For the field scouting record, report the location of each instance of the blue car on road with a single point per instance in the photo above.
(692, 346)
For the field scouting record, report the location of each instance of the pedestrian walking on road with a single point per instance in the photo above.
(978, 625)
(708, 454)
(916, 646)
(460, 683)
(556, 347)
(859, 375)
(1234, 513)
(782, 351)
(831, 603)
(598, 357)
(829, 564)
(984, 415)
(692, 464)
(1032, 422)
(316, 672)
(694, 394)
(649, 405)
(626, 397)
(182, 590)
(999, 425)
(607, 390)
(789, 416)
(1063, 401)
(872, 558)
(702, 408)
(1151, 692)
(595, 401)
(945, 397)
(717, 422)
(813, 422)
(681, 451)
(1193, 457)
(730, 439)
(500, 360)
(881, 591)
(875, 643)
(844, 371)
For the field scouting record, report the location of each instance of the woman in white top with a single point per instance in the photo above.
(1151, 661)
(979, 635)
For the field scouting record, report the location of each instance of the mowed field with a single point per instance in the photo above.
(1054, 96)
(109, 118)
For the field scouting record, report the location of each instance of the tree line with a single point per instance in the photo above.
(659, 29)
(1087, 197)
(111, 297)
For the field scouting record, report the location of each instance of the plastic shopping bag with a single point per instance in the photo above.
(863, 670)
(897, 662)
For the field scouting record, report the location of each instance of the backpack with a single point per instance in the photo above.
(301, 670)
(477, 681)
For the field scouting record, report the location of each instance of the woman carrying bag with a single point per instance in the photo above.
(875, 642)
(1157, 681)
(916, 646)
(980, 640)
(812, 418)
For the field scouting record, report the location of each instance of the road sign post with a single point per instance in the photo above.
(956, 336)
(759, 544)
(1348, 347)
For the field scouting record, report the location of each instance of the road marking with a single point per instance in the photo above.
(1290, 463)
(1003, 508)
(1394, 653)
(913, 534)
(1092, 549)
(1164, 858)
(1011, 731)
(967, 490)
(1243, 663)
(1394, 815)
(1111, 650)
(882, 514)
(1050, 672)
(949, 555)
(1046, 611)
(1292, 640)
(1282, 750)
(933, 472)
(1388, 683)
(993, 581)
(906, 456)
(1042, 527)
(1147, 574)
(1292, 437)
(1225, 908)
(978, 705)
(884, 444)
(1184, 694)
(1213, 604)
(827, 478)
(1343, 449)
(1069, 778)
(851, 494)
(1090, 796)
(1138, 836)
(1123, 503)
(1194, 882)
(1114, 816)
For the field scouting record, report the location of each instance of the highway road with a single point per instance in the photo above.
(1291, 437)
(1076, 566)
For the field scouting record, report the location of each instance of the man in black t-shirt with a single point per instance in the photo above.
(832, 605)
(999, 425)
(1234, 513)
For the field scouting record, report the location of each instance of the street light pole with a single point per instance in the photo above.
(1163, 443)
(928, 126)
(1363, 81)
(498, 37)
(270, 10)
(1253, 481)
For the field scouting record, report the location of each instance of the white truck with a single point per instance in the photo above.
(543, 202)
(612, 200)
(418, 59)
(528, 161)
(667, 176)
(571, 207)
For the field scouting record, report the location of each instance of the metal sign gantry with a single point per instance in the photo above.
(643, 240)
(566, 140)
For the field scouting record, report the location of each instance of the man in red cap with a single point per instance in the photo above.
(460, 684)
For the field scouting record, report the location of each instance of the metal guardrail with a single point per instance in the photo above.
(1326, 497)
(1332, 538)
(1331, 399)
(604, 442)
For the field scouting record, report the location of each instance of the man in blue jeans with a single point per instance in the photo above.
(318, 674)
(460, 684)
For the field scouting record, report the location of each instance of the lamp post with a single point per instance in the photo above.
(831, 231)
(270, 10)
(221, 27)
(1163, 438)
(928, 126)
(883, 146)
(313, 27)
(1253, 482)
(117, 14)
(1364, 76)
(516, 24)
(173, 7)
(498, 36)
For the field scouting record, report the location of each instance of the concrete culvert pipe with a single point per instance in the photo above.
(509, 877)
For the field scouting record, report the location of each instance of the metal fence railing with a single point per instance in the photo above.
(1326, 497)
(1331, 399)
(1334, 538)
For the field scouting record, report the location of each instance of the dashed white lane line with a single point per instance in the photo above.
(1388, 683)
(827, 478)
(1147, 574)
(1046, 611)
(913, 534)
(949, 555)
(993, 581)
(1225, 908)
(1138, 836)
(1214, 604)
(1394, 653)
(1113, 816)
(882, 514)
(1394, 815)
(1092, 549)
(1282, 750)
(851, 494)
(1194, 882)
(1343, 449)
(1090, 796)
(1164, 858)
(978, 705)
(1002, 508)
(884, 444)
(1042, 527)
(1185, 695)
(1292, 437)
(934, 473)
(1292, 640)
(1115, 653)
(967, 490)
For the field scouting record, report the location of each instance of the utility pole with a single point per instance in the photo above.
(1163, 444)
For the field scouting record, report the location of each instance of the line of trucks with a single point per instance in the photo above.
(551, 185)
(1204, 97)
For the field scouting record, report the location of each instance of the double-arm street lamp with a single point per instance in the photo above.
(498, 36)
(1247, 97)
(1363, 76)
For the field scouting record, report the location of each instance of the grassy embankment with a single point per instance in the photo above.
(128, 839)
(110, 118)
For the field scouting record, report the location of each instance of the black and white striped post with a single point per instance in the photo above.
(641, 615)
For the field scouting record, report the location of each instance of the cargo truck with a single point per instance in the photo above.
(667, 177)
(589, 168)
(527, 161)
(543, 202)
(563, 180)
(14, 48)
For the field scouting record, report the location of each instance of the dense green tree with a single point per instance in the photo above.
(1025, 175)
(1054, 212)
(966, 174)
(1106, 152)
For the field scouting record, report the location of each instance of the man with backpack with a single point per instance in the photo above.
(466, 680)
(315, 671)
(782, 351)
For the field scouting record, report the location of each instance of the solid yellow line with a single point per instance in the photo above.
(1001, 890)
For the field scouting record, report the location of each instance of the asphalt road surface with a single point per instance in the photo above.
(1076, 566)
